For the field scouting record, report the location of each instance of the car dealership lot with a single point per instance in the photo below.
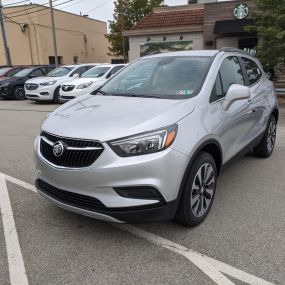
(245, 228)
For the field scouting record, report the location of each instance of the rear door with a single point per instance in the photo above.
(258, 91)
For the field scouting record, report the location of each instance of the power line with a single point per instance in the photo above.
(99, 6)
(45, 8)
(30, 8)
(15, 3)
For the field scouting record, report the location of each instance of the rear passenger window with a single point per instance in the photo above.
(231, 73)
(252, 70)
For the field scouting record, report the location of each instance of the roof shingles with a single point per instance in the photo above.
(171, 19)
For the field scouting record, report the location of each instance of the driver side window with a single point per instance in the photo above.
(36, 73)
(230, 73)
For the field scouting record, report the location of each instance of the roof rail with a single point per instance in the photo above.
(231, 49)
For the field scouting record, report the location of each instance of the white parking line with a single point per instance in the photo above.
(213, 268)
(196, 258)
(16, 265)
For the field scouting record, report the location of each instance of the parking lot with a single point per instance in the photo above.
(241, 242)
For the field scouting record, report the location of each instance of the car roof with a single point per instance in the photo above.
(186, 53)
(110, 65)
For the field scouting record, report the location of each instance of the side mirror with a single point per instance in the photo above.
(75, 75)
(236, 92)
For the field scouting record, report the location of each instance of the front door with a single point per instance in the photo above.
(237, 121)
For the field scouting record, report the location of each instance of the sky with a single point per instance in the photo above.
(97, 9)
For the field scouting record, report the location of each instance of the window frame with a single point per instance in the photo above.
(246, 74)
(35, 70)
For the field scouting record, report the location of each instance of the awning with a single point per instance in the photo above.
(232, 26)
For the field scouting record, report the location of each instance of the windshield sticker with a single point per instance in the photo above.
(184, 92)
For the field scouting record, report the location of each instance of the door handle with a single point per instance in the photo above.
(249, 101)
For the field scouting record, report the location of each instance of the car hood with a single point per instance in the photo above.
(109, 117)
(79, 81)
(46, 79)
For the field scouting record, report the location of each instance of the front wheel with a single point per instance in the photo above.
(265, 148)
(19, 93)
(56, 96)
(199, 191)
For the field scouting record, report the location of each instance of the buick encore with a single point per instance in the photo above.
(150, 144)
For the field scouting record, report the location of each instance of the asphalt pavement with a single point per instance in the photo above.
(242, 239)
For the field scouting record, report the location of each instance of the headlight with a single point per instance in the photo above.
(145, 143)
(5, 84)
(48, 83)
(84, 85)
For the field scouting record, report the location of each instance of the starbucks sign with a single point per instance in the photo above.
(241, 11)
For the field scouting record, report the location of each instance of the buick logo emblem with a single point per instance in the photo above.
(58, 149)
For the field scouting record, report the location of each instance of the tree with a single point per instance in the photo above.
(126, 14)
(269, 24)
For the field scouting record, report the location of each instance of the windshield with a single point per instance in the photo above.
(4, 70)
(60, 71)
(23, 73)
(95, 72)
(170, 77)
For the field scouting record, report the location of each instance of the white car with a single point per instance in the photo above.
(47, 88)
(89, 81)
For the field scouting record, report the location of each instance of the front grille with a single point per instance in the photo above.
(77, 153)
(31, 86)
(69, 198)
(67, 88)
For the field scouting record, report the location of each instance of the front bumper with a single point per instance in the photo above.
(67, 96)
(151, 213)
(162, 171)
(40, 94)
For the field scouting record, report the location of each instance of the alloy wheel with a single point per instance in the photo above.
(202, 190)
(271, 136)
(20, 93)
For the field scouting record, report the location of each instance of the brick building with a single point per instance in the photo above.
(207, 24)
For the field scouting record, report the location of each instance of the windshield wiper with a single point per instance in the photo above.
(137, 96)
(102, 92)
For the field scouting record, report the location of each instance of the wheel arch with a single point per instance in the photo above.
(275, 113)
(210, 146)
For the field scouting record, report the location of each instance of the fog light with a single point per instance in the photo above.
(140, 192)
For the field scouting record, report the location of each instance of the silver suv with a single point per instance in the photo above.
(150, 144)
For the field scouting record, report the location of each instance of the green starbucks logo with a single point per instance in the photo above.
(241, 11)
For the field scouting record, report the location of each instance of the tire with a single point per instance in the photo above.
(197, 196)
(56, 96)
(19, 93)
(265, 148)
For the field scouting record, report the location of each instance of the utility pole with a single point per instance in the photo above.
(53, 33)
(4, 36)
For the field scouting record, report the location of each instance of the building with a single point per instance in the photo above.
(79, 39)
(207, 24)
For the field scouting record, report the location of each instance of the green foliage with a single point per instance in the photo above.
(269, 24)
(126, 14)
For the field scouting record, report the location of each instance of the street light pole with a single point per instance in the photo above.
(53, 33)
(4, 36)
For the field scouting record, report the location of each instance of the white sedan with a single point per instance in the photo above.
(89, 81)
(47, 88)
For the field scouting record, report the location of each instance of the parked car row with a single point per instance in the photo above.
(47, 83)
